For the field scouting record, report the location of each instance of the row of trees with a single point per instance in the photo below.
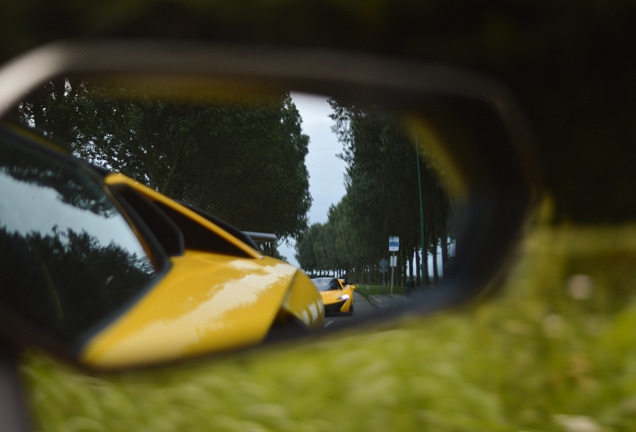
(382, 199)
(243, 162)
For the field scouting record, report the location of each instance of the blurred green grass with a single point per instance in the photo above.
(554, 351)
(367, 290)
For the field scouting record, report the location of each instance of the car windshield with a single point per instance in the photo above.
(326, 284)
(71, 266)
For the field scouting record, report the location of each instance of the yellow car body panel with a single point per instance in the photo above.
(304, 293)
(333, 297)
(153, 195)
(206, 303)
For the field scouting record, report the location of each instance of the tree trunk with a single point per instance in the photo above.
(444, 253)
(418, 275)
(426, 280)
(435, 268)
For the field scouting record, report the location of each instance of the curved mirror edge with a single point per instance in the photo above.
(388, 190)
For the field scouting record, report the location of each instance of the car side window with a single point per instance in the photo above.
(69, 267)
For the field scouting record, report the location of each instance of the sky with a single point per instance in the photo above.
(20, 217)
(326, 170)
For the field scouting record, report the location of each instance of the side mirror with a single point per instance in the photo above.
(435, 156)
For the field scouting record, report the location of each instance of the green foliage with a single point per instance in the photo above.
(568, 62)
(243, 162)
(382, 199)
(549, 354)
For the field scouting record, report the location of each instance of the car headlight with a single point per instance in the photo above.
(344, 297)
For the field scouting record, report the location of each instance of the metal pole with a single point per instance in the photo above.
(383, 281)
(392, 271)
(419, 185)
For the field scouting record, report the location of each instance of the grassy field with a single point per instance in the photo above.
(556, 351)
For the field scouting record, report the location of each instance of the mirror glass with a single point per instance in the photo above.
(348, 192)
(70, 259)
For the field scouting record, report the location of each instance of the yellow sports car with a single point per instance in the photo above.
(337, 295)
(124, 275)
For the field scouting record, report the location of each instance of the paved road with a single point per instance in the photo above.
(361, 307)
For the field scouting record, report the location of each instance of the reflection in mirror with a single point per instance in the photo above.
(69, 259)
(354, 194)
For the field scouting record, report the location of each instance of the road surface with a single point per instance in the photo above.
(361, 307)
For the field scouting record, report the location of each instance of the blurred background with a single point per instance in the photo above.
(571, 64)
(554, 352)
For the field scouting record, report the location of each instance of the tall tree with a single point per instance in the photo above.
(240, 160)
(382, 184)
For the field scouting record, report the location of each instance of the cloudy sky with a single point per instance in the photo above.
(326, 171)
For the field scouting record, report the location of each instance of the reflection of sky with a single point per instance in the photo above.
(326, 171)
(27, 207)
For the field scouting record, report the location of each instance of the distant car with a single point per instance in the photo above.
(337, 295)
(120, 274)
